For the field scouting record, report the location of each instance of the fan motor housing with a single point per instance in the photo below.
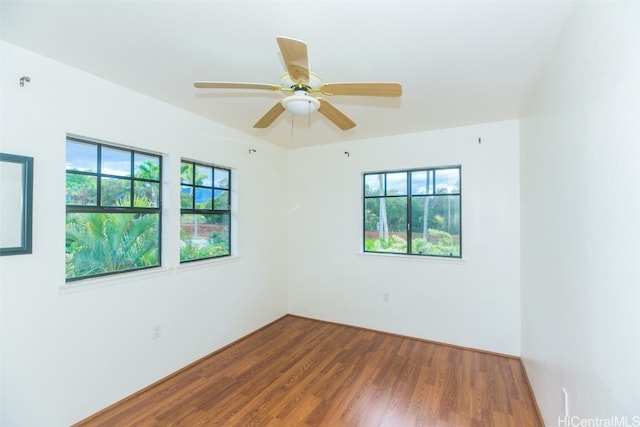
(314, 83)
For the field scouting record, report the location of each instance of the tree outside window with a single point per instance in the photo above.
(113, 204)
(205, 211)
(413, 212)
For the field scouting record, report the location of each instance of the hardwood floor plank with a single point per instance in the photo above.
(304, 372)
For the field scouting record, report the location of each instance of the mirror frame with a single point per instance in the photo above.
(24, 223)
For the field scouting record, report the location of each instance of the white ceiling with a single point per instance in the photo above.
(460, 62)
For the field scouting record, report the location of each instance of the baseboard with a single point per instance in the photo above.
(460, 347)
(533, 396)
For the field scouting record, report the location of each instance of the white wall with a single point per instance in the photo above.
(574, 233)
(67, 354)
(471, 302)
(580, 158)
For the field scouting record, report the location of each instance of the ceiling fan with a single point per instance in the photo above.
(301, 83)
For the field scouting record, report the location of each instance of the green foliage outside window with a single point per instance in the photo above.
(99, 243)
(414, 212)
(113, 209)
(205, 211)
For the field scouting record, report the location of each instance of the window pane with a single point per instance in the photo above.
(374, 184)
(397, 184)
(146, 194)
(447, 181)
(435, 225)
(385, 227)
(81, 189)
(221, 178)
(221, 200)
(116, 162)
(421, 182)
(147, 167)
(397, 218)
(204, 176)
(371, 220)
(420, 207)
(82, 157)
(186, 197)
(204, 198)
(186, 173)
(204, 236)
(115, 192)
(99, 243)
(447, 213)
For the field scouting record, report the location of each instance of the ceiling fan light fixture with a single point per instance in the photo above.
(300, 103)
(302, 82)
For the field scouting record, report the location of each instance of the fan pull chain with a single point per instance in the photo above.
(293, 117)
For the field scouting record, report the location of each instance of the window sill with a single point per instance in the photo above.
(128, 277)
(412, 258)
(204, 263)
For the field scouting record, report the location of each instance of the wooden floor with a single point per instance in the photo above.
(302, 372)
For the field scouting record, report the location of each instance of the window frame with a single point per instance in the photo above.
(101, 208)
(207, 211)
(409, 197)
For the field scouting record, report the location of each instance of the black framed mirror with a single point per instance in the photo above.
(16, 198)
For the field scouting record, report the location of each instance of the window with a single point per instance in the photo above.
(414, 212)
(113, 199)
(205, 211)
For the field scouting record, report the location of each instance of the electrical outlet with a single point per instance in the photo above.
(565, 402)
(156, 331)
(386, 297)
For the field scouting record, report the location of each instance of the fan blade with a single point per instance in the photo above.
(335, 115)
(294, 53)
(270, 116)
(362, 89)
(234, 85)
